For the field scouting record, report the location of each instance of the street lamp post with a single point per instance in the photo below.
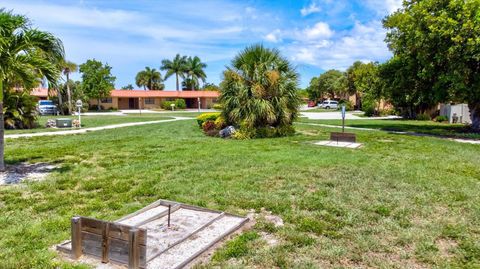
(79, 105)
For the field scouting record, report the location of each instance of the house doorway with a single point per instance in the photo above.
(132, 103)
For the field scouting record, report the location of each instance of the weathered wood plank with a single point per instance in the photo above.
(76, 237)
(117, 231)
(148, 207)
(133, 253)
(105, 242)
(343, 137)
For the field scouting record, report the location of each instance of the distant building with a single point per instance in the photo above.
(40, 93)
(135, 99)
(140, 99)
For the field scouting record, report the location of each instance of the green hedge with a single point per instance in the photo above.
(179, 104)
(211, 116)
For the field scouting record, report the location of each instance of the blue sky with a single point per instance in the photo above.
(129, 35)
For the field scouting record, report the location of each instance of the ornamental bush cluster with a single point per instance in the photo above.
(179, 104)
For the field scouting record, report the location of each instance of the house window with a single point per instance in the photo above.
(149, 101)
(106, 100)
(170, 99)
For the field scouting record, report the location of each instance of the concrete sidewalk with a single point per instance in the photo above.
(92, 129)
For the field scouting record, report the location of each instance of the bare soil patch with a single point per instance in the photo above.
(18, 173)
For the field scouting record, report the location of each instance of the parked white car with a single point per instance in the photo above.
(329, 104)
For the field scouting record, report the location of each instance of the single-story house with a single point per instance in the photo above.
(141, 99)
(40, 93)
(135, 99)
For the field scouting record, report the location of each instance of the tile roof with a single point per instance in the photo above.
(42, 92)
(39, 92)
(168, 94)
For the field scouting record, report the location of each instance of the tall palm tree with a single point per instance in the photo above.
(177, 67)
(26, 54)
(194, 70)
(259, 89)
(150, 79)
(68, 68)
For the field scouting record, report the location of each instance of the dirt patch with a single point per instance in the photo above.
(267, 215)
(445, 247)
(18, 173)
(271, 239)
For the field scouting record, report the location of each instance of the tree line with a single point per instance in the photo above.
(190, 69)
(436, 59)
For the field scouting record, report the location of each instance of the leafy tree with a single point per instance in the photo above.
(259, 90)
(331, 83)
(68, 68)
(97, 80)
(210, 87)
(194, 71)
(177, 66)
(189, 84)
(26, 56)
(364, 81)
(128, 87)
(436, 53)
(149, 79)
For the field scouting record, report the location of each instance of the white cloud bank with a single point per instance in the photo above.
(312, 8)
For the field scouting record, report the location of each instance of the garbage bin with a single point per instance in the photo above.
(64, 123)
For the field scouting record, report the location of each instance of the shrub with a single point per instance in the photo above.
(347, 103)
(206, 117)
(244, 133)
(286, 130)
(217, 106)
(19, 110)
(208, 125)
(180, 103)
(259, 89)
(368, 106)
(220, 122)
(423, 116)
(387, 112)
(441, 118)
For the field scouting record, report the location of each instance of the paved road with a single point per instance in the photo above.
(337, 115)
(93, 129)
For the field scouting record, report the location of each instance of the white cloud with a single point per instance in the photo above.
(312, 8)
(384, 7)
(274, 36)
(320, 30)
(363, 42)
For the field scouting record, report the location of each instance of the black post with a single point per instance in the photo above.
(169, 208)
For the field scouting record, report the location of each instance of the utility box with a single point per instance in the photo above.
(64, 123)
(459, 113)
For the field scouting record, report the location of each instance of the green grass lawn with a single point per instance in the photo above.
(398, 202)
(99, 120)
(423, 127)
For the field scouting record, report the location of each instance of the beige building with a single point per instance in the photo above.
(141, 99)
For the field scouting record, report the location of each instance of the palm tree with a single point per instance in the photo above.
(26, 54)
(194, 70)
(177, 67)
(150, 79)
(68, 68)
(259, 90)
